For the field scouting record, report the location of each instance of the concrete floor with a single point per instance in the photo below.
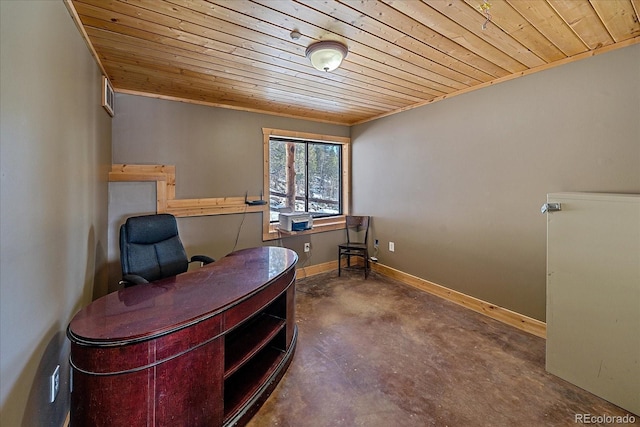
(381, 353)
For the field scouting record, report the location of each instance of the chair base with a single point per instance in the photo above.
(365, 260)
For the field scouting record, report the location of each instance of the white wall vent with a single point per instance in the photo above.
(108, 99)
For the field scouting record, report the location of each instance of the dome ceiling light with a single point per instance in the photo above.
(326, 55)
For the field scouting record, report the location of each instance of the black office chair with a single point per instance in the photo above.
(150, 249)
(357, 228)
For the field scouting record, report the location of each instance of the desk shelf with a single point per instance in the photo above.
(253, 352)
(243, 344)
(240, 387)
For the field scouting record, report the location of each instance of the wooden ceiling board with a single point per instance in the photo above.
(550, 25)
(489, 45)
(279, 58)
(402, 54)
(310, 82)
(174, 90)
(415, 37)
(359, 54)
(619, 17)
(412, 37)
(220, 88)
(380, 36)
(512, 33)
(202, 64)
(584, 21)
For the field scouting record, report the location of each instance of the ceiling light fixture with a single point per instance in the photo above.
(326, 55)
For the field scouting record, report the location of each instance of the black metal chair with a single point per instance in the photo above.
(150, 249)
(357, 230)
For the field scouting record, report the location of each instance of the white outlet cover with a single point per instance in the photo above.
(392, 247)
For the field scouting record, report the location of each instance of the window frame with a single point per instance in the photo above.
(270, 230)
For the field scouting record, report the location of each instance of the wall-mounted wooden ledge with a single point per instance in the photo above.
(165, 179)
(211, 206)
(125, 176)
(320, 225)
(506, 316)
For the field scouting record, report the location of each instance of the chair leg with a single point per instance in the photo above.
(365, 255)
(366, 263)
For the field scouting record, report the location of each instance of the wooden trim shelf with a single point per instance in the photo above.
(211, 206)
(320, 225)
(165, 179)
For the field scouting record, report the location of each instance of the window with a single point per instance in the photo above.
(304, 176)
(305, 172)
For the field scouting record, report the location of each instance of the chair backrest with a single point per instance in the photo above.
(150, 247)
(357, 228)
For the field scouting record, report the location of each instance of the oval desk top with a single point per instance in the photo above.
(147, 311)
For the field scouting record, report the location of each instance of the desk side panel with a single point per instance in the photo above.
(291, 313)
(172, 380)
(189, 389)
(111, 400)
(184, 391)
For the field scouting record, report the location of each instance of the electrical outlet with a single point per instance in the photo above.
(307, 247)
(392, 247)
(375, 244)
(54, 384)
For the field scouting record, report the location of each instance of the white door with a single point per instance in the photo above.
(593, 294)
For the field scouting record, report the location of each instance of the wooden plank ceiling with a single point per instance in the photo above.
(402, 53)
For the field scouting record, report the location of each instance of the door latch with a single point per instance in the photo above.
(550, 207)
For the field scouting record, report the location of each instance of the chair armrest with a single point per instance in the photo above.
(202, 259)
(132, 279)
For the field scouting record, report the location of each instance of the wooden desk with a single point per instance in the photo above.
(204, 348)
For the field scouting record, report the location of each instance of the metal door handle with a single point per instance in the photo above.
(550, 207)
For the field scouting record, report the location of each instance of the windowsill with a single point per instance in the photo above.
(320, 225)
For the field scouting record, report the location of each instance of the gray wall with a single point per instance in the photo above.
(458, 185)
(217, 153)
(55, 147)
